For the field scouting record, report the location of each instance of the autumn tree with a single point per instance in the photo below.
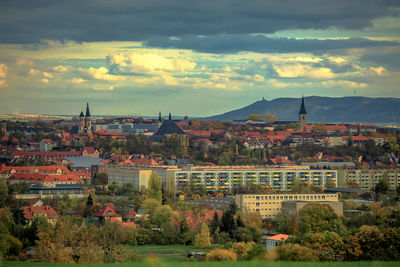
(295, 252)
(221, 255)
(254, 117)
(328, 246)
(316, 218)
(203, 238)
(154, 187)
(270, 118)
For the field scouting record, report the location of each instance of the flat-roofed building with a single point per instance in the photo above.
(137, 176)
(270, 205)
(216, 178)
(230, 177)
(366, 179)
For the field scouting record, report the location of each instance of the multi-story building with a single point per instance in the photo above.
(270, 205)
(216, 178)
(230, 177)
(137, 176)
(366, 179)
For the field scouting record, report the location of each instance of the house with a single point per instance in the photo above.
(89, 151)
(275, 240)
(108, 213)
(280, 161)
(33, 212)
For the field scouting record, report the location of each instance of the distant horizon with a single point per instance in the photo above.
(180, 116)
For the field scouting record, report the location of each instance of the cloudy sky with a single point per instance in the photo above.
(193, 58)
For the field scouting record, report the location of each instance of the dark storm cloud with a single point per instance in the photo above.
(138, 20)
(262, 44)
(388, 60)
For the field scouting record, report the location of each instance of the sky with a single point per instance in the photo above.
(195, 58)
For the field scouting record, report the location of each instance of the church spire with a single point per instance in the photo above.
(302, 107)
(87, 110)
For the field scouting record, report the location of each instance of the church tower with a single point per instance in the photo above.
(88, 120)
(302, 114)
(81, 128)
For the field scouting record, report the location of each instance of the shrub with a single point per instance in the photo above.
(221, 255)
(295, 252)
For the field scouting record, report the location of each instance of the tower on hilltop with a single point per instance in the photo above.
(303, 113)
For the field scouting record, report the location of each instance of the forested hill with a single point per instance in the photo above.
(327, 109)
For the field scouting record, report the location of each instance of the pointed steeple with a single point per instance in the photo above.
(302, 107)
(87, 110)
(81, 115)
(169, 117)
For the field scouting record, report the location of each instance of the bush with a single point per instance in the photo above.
(221, 255)
(295, 252)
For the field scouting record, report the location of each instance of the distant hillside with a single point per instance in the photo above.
(327, 109)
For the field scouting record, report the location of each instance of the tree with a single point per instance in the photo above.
(295, 252)
(215, 223)
(316, 218)
(203, 238)
(370, 241)
(228, 219)
(100, 179)
(328, 246)
(154, 187)
(3, 191)
(270, 118)
(382, 186)
(150, 205)
(163, 214)
(254, 117)
(221, 255)
(330, 183)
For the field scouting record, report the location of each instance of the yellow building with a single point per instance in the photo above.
(270, 205)
(137, 177)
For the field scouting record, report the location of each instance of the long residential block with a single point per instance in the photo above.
(366, 179)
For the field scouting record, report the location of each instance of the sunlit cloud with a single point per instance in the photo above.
(60, 68)
(298, 70)
(101, 73)
(3, 70)
(342, 83)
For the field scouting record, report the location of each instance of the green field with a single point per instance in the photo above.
(216, 264)
(170, 253)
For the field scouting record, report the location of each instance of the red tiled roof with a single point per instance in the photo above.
(37, 177)
(279, 237)
(107, 211)
(47, 154)
(31, 211)
(34, 169)
(89, 149)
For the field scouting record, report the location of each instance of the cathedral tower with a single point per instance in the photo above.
(88, 120)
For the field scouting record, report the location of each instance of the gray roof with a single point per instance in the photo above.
(169, 127)
(84, 162)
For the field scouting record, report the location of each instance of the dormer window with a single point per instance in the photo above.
(109, 212)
